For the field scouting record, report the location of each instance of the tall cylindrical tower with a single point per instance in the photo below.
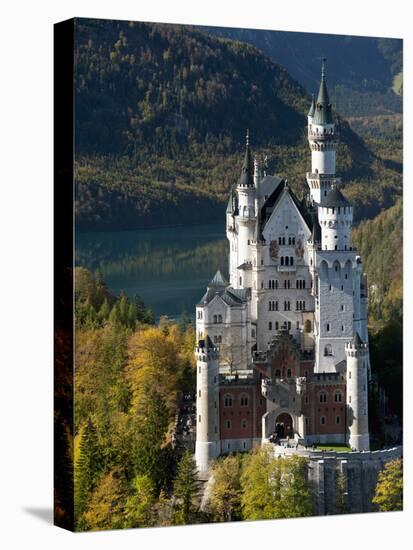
(246, 192)
(322, 139)
(207, 445)
(357, 393)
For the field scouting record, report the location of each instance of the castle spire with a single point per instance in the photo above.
(247, 171)
(323, 114)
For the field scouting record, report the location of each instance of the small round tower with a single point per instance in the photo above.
(207, 445)
(357, 393)
(246, 191)
(335, 215)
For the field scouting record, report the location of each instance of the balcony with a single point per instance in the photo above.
(286, 268)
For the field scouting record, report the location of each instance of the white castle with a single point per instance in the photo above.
(283, 346)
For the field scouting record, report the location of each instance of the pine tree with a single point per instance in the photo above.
(341, 499)
(132, 316)
(114, 317)
(186, 491)
(149, 427)
(389, 488)
(104, 310)
(123, 304)
(139, 508)
(87, 469)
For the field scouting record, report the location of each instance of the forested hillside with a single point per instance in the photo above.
(380, 244)
(360, 85)
(161, 115)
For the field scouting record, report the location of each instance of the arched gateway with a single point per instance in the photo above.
(284, 425)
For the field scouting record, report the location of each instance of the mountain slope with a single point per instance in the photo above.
(359, 84)
(161, 115)
(380, 244)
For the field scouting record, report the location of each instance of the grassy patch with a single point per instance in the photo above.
(337, 448)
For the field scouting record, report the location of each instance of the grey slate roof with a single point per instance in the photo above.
(270, 203)
(218, 280)
(357, 341)
(323, 113)
(231, 296)
(247, 170)
(335, 198)
(316, 229)
(268, 185)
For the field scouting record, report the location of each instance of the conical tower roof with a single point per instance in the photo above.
(247, 171)
(357, 341)
(312, 107)
(218, 280)
(323, 113)
(335, 198)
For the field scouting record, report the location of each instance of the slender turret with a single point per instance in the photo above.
(208, 446)
(357, 402)
(323, 143)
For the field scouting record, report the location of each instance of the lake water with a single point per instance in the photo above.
(169, 268)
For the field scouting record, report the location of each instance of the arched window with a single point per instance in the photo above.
(244, 424)
(287, 260)
(228, 424)
(291, 260)
(227, 400)
(337, 397)
(243, 400)
(328, 350)
(270, 325)
(277, 324)
(328, 327)
(338, 419)
(322, 420)
(323, 397)
(219, 318)
(282, 260)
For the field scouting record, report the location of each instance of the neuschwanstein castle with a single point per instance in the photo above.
(282, 346)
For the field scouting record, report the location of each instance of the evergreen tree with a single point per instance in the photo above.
(389, 488)
(104, 310)
(114, 317)
(149, 426)
(341, 498)
(186, 491)
(139, 508)
(132, 316)
(87, 469)
(123, 305)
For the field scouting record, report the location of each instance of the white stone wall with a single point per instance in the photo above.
(357, 396)
(335, 227)
(207, 445)
(334, 307)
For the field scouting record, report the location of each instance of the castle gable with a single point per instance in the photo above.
(284, 211)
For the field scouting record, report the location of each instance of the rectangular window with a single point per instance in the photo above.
(199, 418)
(270, 325)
